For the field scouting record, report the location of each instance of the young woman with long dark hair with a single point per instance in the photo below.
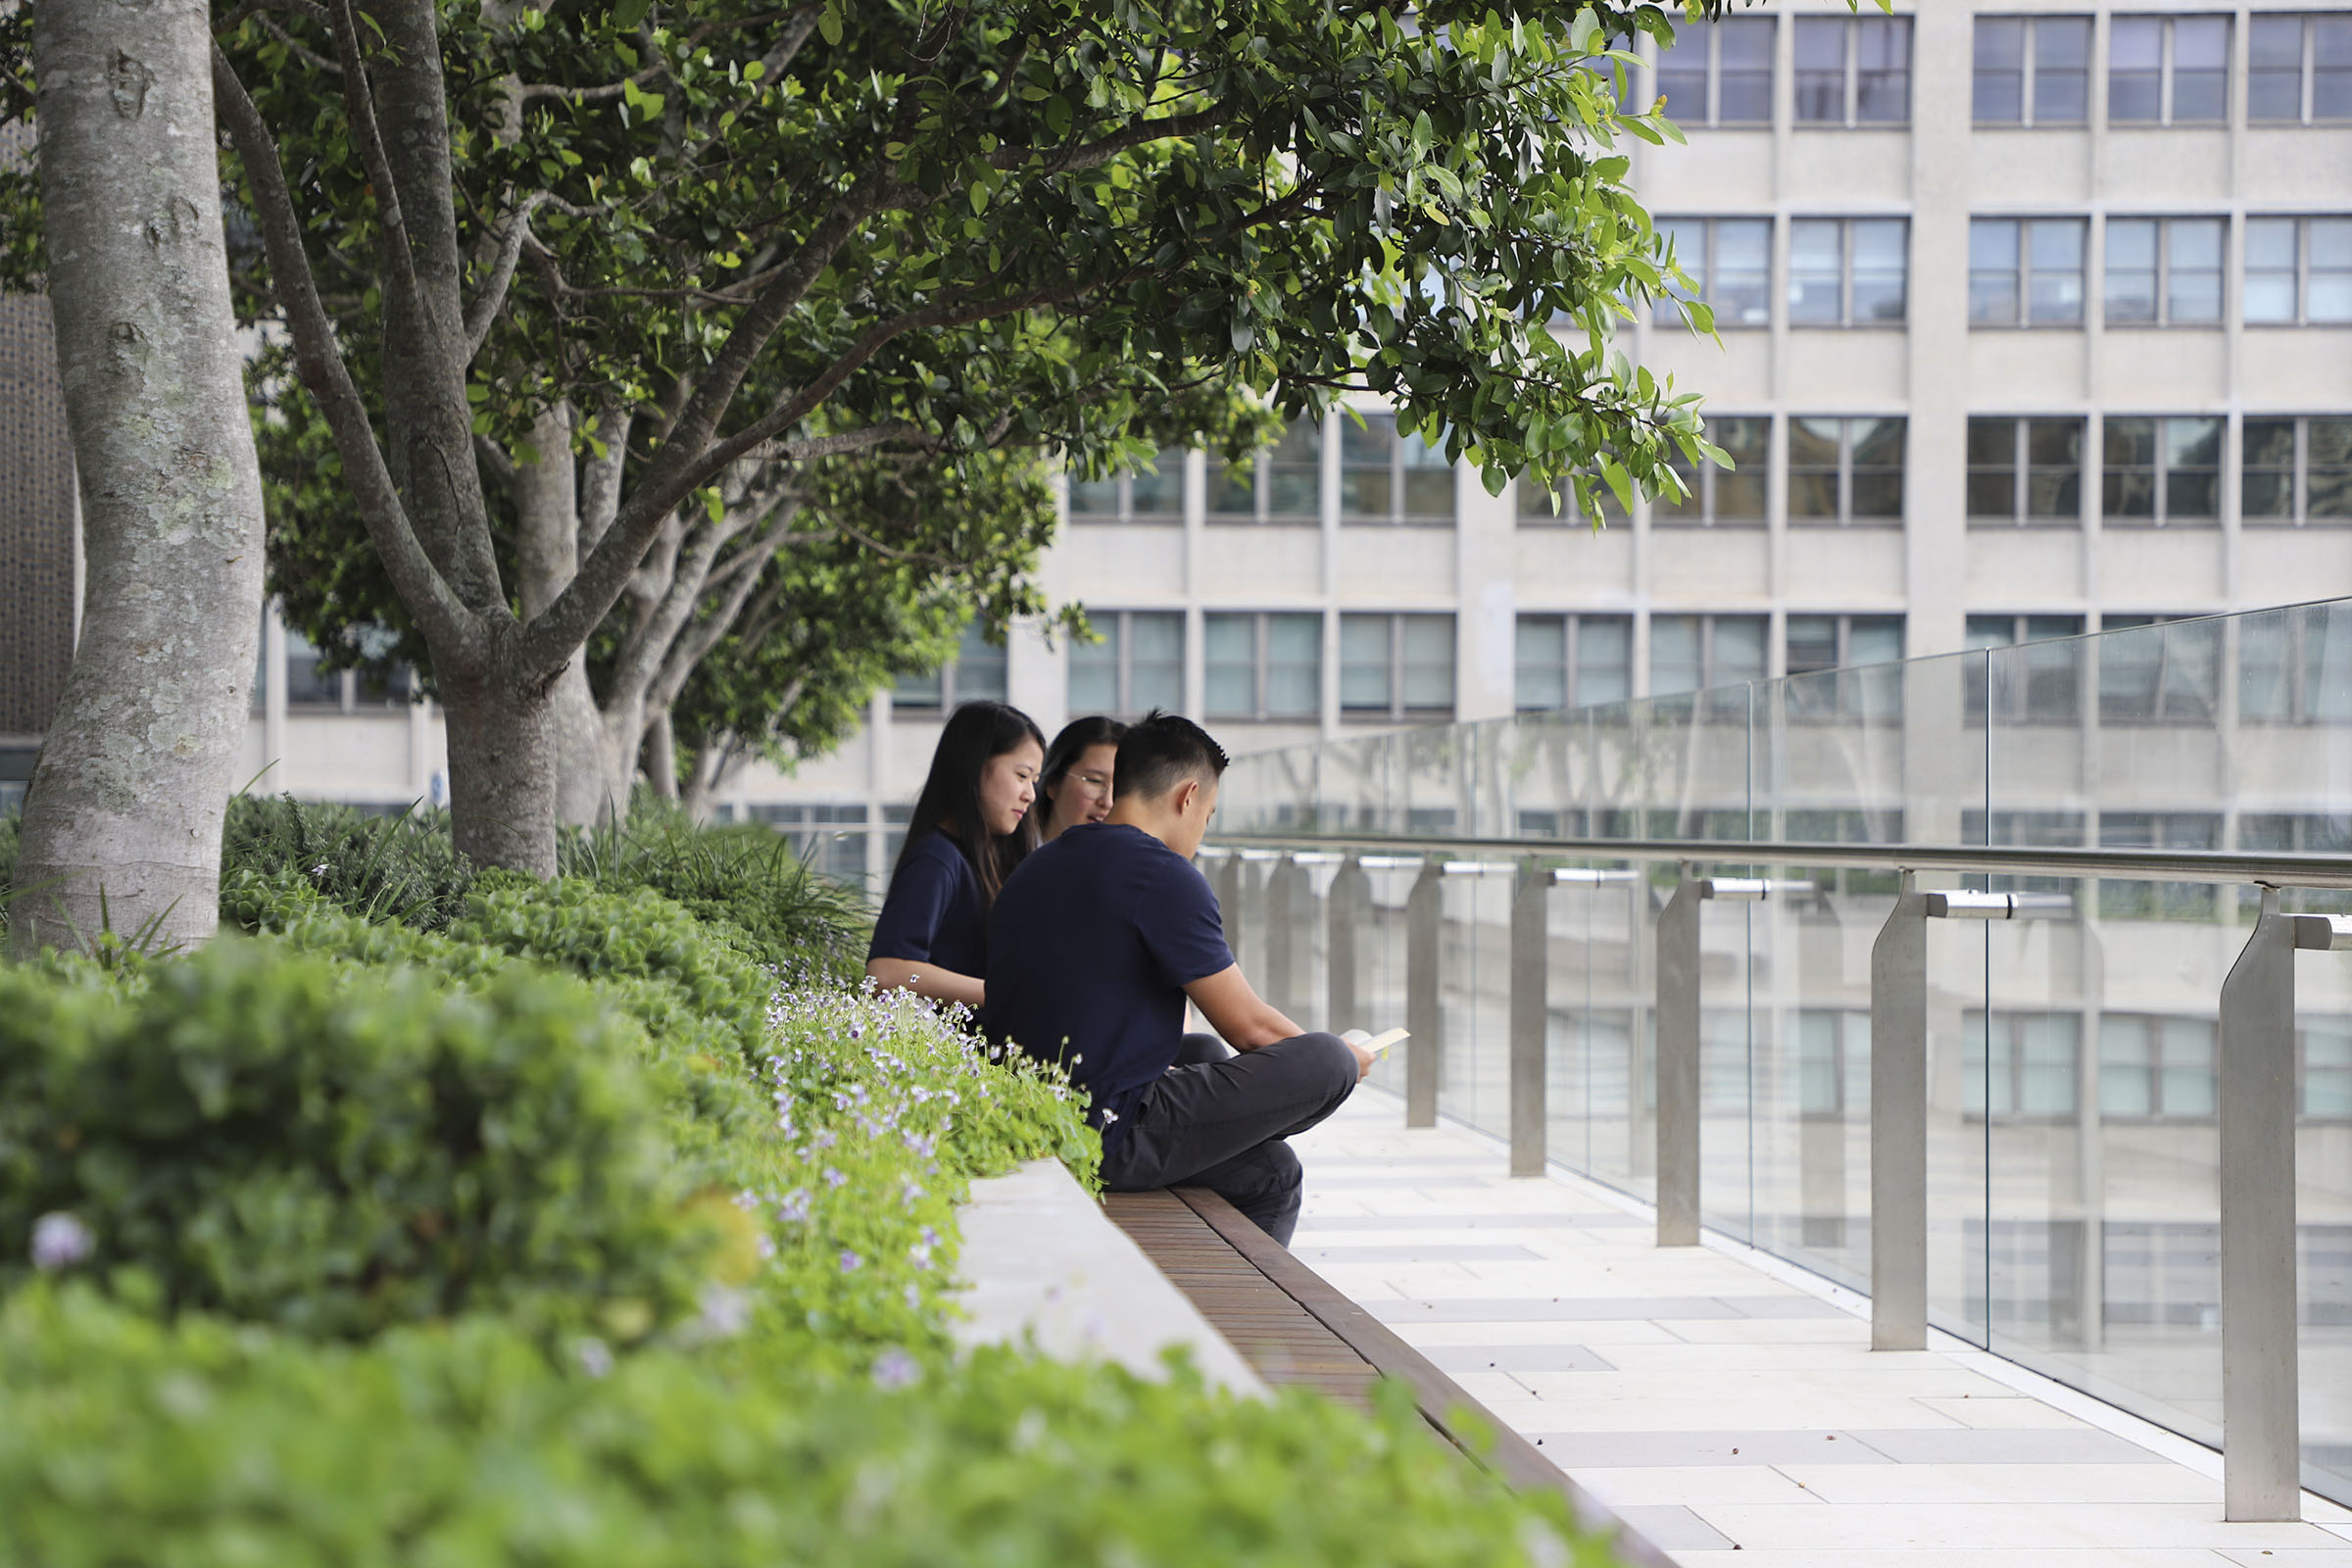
(971, 826)
(1075, 786)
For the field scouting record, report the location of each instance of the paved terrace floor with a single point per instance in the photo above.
(1731, 1408)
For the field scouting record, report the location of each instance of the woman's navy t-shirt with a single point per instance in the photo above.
(1090, 948)
(933, 912)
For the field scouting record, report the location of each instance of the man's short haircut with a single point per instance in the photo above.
(1160, 751)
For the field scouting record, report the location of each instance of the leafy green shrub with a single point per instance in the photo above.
(280, 1137)
(811, 928)
(465, 1448)
(402, 868)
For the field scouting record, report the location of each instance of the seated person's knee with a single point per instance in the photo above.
(1337, 1060)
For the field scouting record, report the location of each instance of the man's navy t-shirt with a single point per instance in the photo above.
(1090, 948)
(933, 913)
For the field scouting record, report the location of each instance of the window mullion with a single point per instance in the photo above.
(1853, 65)
(2302, 479)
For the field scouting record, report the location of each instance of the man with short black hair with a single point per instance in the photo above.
(1093, 948)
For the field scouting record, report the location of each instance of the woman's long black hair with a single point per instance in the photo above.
(950, 800)
(1068, 747)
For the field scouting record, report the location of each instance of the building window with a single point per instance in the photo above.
(1137, 665)
(1262, 666)
(2297, 471)
(1574, 662)
(1845, 471)
(1853, 70)
(2298, 271)
(1861, 651)
(1732, 497)
(2041, 683)
(2033, 71)
(2325, 1046)
(1691, 653)
(2167, 471)
(2164, 272)
(830, 839)
(2154, 671)
(1540, 507)
(976, 674)
(2298, 68)
(2155, 1067)
(1729, 261)
(1832, 1061)
(1847, 272)
(1720, 73)
(2021, 1064)
(1154, 494)
(2168, 71)
(1395, 667)
(2158, 830)
(2022, 470)
(377, 686)
(1388, 477)
(2025, 272)
(1285, 484)
(2295, 666)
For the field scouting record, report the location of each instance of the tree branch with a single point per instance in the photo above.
(427, 595)
(493, 297)
(358, 104)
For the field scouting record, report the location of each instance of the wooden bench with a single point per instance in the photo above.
(1294, 1328)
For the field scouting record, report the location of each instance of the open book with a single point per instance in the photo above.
(1379, 1044)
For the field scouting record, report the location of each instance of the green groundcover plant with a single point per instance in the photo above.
(580, 1223)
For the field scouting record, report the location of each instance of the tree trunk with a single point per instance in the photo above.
(661, 757)
(588, 788)
(123, 822)
(502, 773)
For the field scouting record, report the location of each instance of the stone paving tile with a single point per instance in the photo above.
(1962, 1558)
(1341, 1253)
(1795, 1408)
(2005, 1483)
(1701, 1484)
(1650, 1309)
(1545, 1220)
(1577, 1452)
(2038, 1525)
(1673, 1526)
(2290, 1557)
(2006, 1411)
(1993, 1445)
(1615, 1333)
(1520, 1359)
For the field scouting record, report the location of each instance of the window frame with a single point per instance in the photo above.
(1261, 665)
(1397, 710)
(2169, 680)
(1858, 691)
(1844, 518)
(1705, 489)
(1710, 674)
(2023, 272)
(1123, 662)
(344, 696)
(1710, 110)
(1397, 468)
(2307, 71)
(1572, 668)
(2161, 474)
(1124, 511)
(2018, 707)
(2156, 1063)
(2167, 68)
(2029, 69)
(1850, 99)
(2303, 270)
(2021, 471)
(1976, 1026)
(2298, 475)
(2163, 318)
(1847, 226)
(946, 674)
(1262, 468)
(2298, 663)
(1666, 310)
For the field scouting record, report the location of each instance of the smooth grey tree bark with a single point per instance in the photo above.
(121, 824)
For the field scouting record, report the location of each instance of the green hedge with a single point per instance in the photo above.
(585, 1228)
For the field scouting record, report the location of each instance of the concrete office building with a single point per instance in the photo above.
(2035, 319)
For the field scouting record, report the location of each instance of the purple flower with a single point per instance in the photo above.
(60, 1241)
(594, 1356)
(894, 1368)
(793, 1210)
(834, 1178)
(851, 1262)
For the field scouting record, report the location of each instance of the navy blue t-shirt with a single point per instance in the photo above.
(1090, 948)
(933, 912)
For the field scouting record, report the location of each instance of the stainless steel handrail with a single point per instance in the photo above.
(2165, 866)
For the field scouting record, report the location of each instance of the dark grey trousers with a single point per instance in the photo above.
(1217, 1119)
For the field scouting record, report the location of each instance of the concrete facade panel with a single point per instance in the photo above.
(2030, 171)
(2025, 567)
(1849, 567)
(1848, 370)
(2167, 371)
(1710, 565)
(1261, 568)
(1116, 564)
(2287, 565)
(2164, 171)
(2027, 371)
(1399, 568)
(1851, 168)
(2299, 370)
(2162, 568)
(1571, 567)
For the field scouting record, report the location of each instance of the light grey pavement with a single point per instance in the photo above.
(1729, 1406)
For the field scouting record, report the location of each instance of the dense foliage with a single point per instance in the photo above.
(568, 1233)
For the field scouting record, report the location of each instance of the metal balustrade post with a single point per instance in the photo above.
(2261, 1416)
(1898, 1126)
(1424, 1008)
(1228, 883)
(1288, 891)
(1350, 913)
(1531, 1016)
(1678, 1066)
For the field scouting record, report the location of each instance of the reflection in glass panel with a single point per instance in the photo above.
(2192, 287)
(1428, 661)
(2135, 68)
(2061, 71)
(1157, 491)
(2054, 248)
(1674, 654)
(1816, 272)
(1294, 665)
(1540, 656)
(1094, 670)
(1155, 662)
(1881, 247)
(2275, 68)
(1740, 285)
(1813, 460)
(1604, 659)
(1744, 70)
(1229, 665)
(1364, 662)
(2200, 68)
(1992, 271)
(1999, 87)
(2270, 271)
